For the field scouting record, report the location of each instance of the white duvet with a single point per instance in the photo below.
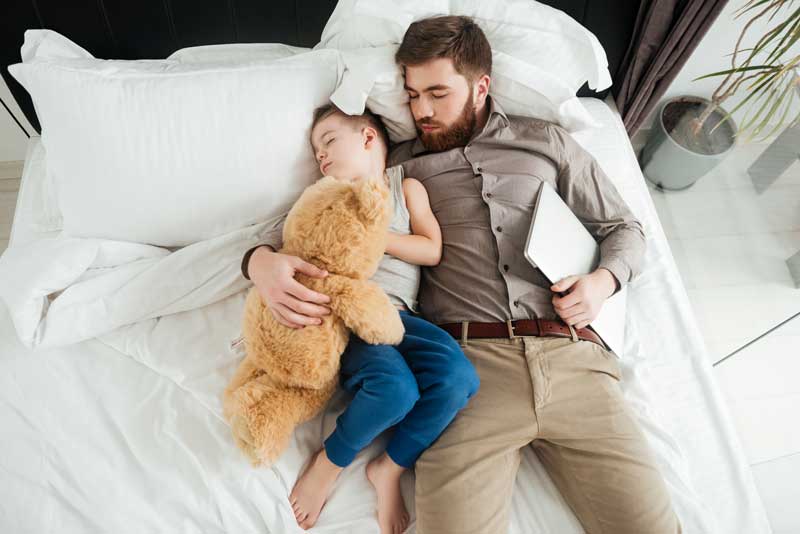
(169, 465)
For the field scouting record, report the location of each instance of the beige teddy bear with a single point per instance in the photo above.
(288, 375)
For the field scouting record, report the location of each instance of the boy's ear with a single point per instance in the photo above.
(370, 135)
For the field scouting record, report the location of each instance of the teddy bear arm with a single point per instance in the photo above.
(366, 310)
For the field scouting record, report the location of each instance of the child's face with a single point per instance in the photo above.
(341, 148)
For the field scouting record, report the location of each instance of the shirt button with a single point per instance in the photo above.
(480, 169)
(488, 195)
(505, 268)
(516, 303)
(499, 228)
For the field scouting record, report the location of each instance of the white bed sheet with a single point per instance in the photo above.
(123, 433)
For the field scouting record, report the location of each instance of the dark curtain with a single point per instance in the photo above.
(665, 35)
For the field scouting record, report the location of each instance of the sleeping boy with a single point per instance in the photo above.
(418, 385)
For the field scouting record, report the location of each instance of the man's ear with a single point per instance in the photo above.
(482, 90)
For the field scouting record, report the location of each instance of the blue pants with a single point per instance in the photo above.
(419, 385)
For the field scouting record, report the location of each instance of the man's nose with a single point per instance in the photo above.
(422, 109)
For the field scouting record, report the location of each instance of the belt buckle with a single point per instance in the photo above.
(511, 334)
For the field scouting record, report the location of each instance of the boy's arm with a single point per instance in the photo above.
(424, 245)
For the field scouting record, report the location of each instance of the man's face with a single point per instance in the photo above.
(442, 102)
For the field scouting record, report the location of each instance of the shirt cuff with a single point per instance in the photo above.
(618, 268)
(246, 259)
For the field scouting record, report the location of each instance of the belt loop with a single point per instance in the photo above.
(510, 326)
(573, 333)
(464, 331)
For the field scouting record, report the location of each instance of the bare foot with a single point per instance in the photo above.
(311, 489)
(384, 475)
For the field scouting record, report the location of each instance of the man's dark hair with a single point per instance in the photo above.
(455, 37)
(366, 119)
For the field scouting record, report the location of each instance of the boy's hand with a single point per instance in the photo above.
(291, 303)
(586, 295)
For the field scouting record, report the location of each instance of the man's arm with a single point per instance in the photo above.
(272, 239)
(594, 199)
(292, 303)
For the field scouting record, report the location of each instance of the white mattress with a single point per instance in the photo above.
(129, 438)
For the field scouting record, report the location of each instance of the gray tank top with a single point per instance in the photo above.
(400, 280)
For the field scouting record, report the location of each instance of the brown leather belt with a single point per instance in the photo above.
(522, 327)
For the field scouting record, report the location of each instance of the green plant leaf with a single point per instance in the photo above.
(734, 70)
(782, 120)
(775, 106)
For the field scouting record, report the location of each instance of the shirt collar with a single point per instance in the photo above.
(496, 114)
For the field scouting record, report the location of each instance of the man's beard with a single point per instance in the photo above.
(456, 135)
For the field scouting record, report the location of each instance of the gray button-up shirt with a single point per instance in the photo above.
(483, 196)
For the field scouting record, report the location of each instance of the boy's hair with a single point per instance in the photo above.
(456, 37)
(366, 119)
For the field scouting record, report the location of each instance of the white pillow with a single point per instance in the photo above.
(170, 153)
(45, 214)
(541, 56)
(236, 52)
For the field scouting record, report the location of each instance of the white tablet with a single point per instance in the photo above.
(559, 245)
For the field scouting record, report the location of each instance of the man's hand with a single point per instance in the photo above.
(587, 292)
(292, 303)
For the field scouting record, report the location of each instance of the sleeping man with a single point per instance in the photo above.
(546, 381)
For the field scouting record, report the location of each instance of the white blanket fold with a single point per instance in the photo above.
(63, 290)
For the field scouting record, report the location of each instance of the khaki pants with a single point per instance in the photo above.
(562, 398)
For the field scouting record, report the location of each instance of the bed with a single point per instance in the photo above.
(126, 429)
(123, 432)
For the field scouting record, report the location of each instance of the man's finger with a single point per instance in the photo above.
(305, 308)
(296, 318)
(582, 324)
(572, 312)
(310, 269)
(298, 290)
(562, 303)
(564, 283)
(576, 319)
(276, 312)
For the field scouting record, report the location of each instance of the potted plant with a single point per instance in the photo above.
(692, 134)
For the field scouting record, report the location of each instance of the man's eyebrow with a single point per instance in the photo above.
(437, 87)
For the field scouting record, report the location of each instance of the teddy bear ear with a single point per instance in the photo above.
(372, 199)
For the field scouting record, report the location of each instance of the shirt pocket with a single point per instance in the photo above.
(516, 189)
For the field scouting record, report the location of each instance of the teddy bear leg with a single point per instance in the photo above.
(265, 417)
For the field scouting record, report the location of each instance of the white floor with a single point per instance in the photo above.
(731, 246)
